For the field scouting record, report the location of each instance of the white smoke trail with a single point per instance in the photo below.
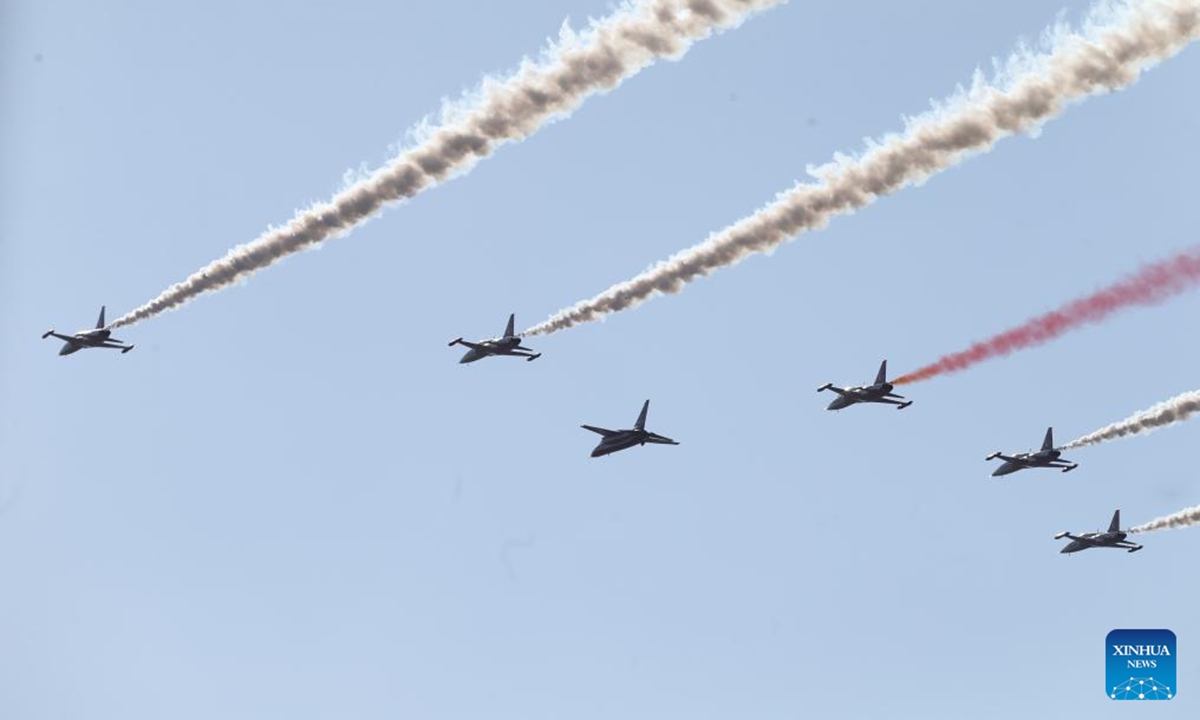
(1116, 43)
(577, 66)
(1168, 412)
(1183, 518)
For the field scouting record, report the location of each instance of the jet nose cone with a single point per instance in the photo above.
(1065, 550)
(66, 350)
(1002, 470)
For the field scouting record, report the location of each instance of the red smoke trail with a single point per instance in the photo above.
(1148, 286)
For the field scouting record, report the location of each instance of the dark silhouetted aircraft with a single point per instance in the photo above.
(99, 337)
(1048, 456)
(1114, 538)
(880, 392)
(509, 344)
(615, 440)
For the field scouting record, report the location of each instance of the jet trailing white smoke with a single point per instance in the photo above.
(1115, 44)
(1168, 412)
(503, 110)
(1183, 518)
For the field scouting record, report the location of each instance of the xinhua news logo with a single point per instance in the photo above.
(1140, 665)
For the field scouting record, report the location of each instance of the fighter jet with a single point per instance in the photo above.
(1048, 456)
(615, 440)
(1114, 538)
(99, 337)
(509, 344)
(880, 392)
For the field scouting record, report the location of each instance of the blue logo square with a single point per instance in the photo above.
(1140, 665)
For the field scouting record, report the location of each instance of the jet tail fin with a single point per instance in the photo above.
(100, 322)
(641, 421)
(1115, 525)
(881, 376)
(508, 329)
(1048, 441)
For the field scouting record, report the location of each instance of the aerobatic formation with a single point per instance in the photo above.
(1115, 45)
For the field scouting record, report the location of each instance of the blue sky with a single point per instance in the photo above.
(291, 501)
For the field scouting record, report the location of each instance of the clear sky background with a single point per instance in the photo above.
(291, 501)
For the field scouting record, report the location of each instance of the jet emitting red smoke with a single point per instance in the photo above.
(1148, 286)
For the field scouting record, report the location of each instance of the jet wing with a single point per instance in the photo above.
(599, 430)
(58, 335)
(474, 346)
(1076, 538)
(656, 438)
(1011, 459)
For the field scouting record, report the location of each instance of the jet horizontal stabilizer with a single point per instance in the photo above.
(656, 438)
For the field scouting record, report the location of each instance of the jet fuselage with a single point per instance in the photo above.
(621, 441)
(863, 393)
(1042, 458)
(85, 338)
(499, 346)
(1094, 539)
